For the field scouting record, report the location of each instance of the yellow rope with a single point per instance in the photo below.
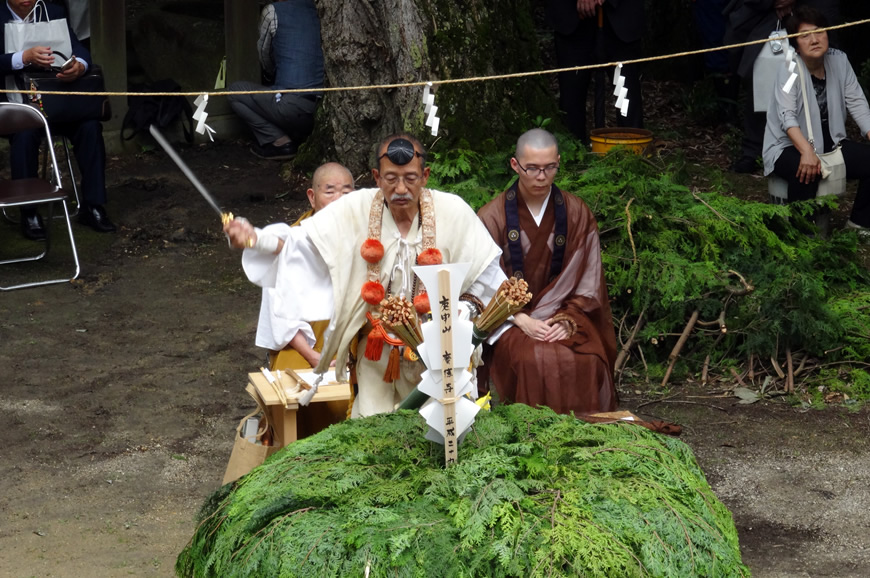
(422, 83)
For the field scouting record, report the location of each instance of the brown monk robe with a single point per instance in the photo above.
(572, 374)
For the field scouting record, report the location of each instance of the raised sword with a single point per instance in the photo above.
(161, 140)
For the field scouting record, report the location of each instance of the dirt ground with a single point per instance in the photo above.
(119, 394)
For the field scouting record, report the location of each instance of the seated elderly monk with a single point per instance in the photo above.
(293, 343)
(561, 348)
(340, 263)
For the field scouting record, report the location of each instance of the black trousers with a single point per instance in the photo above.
(90, 152)
(589, 45)
(857, 159)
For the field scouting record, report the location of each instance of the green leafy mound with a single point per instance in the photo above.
(534, 494)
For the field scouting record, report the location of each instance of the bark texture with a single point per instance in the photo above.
(374, 42)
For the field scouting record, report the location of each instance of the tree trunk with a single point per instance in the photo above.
(376, 42)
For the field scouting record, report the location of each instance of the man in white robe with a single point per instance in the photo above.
(317, 271)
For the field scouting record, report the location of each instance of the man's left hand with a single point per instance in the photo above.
(74, 71)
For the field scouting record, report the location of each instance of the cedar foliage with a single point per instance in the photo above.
(810, 295)
(534, 494)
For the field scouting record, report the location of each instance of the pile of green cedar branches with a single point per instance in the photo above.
(704, 284)
(533, 494)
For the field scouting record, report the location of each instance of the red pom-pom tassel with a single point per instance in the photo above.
(372, 251)
(421, 303)
(373, 292)
(430, 257)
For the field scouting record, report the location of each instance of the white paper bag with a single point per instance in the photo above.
(36, 30)
(764, 69)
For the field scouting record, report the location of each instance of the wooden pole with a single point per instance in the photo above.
(109, 50)
(445, 317)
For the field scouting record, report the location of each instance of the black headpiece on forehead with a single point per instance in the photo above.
(401, 152)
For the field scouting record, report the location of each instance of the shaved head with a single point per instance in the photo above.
(328, 170)
(535, 139)
(329, 183)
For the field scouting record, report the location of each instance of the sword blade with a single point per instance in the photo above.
(158, 136)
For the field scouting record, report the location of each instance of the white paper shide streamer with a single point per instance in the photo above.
(430, 109)
(620, 91)
(200, 115)
(792, 64)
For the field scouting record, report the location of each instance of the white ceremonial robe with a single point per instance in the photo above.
(319, 274)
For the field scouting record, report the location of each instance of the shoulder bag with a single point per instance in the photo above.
(833, 181)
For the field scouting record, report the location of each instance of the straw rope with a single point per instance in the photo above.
(422, 83)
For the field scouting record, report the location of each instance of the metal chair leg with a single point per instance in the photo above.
(72, 243)
(72, 175)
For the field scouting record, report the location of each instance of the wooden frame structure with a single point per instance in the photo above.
(109, 46)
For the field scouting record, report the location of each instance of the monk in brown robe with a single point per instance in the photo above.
(561, 348)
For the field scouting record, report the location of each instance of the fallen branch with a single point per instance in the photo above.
(706, 204)
(623, 353)
(802, 364)
(747, 287)
(643, 359)
(737, 377)
(776, 367)
(628, 228)
(675, 353)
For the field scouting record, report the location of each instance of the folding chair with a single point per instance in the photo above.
(15, 118)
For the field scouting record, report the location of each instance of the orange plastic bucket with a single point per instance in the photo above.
(633, 139)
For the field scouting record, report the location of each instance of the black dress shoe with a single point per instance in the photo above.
(94, 216)
(31, 225)
(275, 153)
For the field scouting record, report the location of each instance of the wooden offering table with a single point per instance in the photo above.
(291, 421)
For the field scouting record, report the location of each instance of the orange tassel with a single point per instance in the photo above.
(392, 373)
(374, 344)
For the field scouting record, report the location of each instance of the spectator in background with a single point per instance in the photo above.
(710, 23)
(832, 94)
(589, 32)
(754, 20)
(290, 53)
(86, 136)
